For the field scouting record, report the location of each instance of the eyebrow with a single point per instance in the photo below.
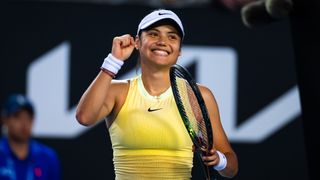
(169, 32)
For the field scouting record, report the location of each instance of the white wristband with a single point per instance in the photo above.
(112, 64)
(222, 163)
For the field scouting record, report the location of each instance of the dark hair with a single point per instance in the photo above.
(164, 22)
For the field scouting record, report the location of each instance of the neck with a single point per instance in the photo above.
(19, 148)
(156, 83)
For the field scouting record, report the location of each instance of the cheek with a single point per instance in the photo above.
(27, 124)
(17, 126)
(145, 43)
(177, 50)
(144, 46)
(13, 127)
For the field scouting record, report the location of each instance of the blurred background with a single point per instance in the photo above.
(52, 50)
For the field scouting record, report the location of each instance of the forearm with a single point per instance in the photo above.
(232, 165)
(91, 102)
(93, 105)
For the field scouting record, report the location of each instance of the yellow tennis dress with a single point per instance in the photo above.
(149, 139)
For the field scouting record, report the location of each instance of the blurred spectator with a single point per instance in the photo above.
(22, 157)
(233, 4)
(255, 13)
(262, 12)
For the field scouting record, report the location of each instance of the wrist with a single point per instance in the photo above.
(111, 74)
(222, 162)
(111, 65)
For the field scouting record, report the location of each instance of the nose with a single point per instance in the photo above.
(161, 41)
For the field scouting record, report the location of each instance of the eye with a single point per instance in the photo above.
(152, 33)
(173, 36)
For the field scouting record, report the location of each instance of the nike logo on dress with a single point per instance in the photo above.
(151, 110)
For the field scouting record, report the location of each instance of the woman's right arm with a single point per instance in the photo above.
(99, 99)
(97, 102)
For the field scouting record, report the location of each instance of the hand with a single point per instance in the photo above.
(212, 158)
(122, 46)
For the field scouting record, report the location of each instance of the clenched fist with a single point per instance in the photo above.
(122, 46)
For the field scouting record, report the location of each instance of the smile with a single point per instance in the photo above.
(160, 52)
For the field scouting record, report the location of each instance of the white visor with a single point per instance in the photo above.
(158, 15)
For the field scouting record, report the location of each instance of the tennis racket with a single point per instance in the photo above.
(193, 111)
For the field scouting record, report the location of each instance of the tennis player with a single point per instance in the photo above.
(149, 139)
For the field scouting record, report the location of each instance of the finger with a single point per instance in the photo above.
(213, 151)
(116, 42)
(122, 46)
(119, 41)
(126, 40)
(210, 158)
(211, 162)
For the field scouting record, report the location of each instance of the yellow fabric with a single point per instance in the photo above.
(150, 145)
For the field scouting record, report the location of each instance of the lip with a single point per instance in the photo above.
(161, 52)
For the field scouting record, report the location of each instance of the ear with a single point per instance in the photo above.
(137, 43)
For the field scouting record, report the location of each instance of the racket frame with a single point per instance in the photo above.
(184, 74)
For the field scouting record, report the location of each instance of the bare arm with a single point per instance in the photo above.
(99, 99)
(94, 104)
(221, 142)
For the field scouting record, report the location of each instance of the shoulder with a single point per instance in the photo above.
(118, 88)
(120, 84)
(207, 94)
(3, 146)
(121, 87)
(205, 91)
(2, 151)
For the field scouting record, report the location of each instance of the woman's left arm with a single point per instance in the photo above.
(228, 166)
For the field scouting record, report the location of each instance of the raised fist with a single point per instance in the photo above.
(122, 46)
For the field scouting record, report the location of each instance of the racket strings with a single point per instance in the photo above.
(198, 118)
(193, 113)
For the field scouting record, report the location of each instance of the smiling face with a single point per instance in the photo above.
(159, 45)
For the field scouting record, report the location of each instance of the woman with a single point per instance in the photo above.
(148, 137)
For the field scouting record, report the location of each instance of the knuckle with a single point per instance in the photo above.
(116, 39)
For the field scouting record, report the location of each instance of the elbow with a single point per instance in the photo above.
(232, 167)
(83, 119)
(230, 173)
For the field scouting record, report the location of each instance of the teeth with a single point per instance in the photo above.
(161, 52)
